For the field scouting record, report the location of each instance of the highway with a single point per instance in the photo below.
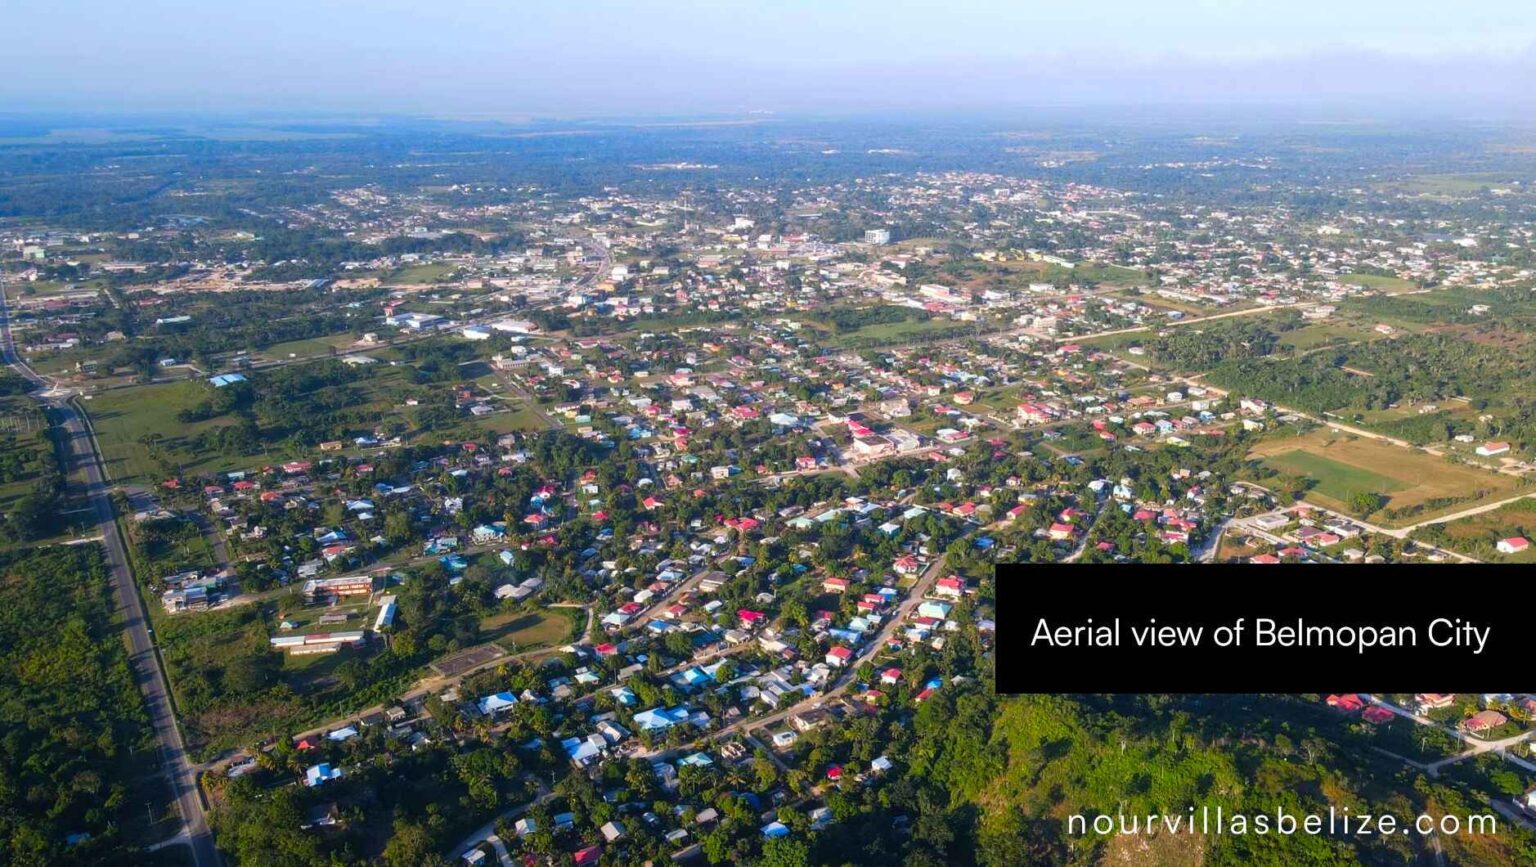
(85, 456)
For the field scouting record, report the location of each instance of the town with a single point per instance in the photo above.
(481, 519)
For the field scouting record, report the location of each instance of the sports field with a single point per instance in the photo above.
(1334, 479)
(1342, 465)
(520, 631)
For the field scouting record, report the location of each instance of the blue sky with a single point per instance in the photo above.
(584, 57)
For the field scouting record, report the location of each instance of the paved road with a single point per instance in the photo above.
(485, 832)
(84, 455)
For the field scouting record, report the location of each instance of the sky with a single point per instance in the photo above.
(581, 58)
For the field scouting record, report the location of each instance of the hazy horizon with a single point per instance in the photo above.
(480, 58)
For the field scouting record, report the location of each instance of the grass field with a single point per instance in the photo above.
(885, 331)
(430, 273)
(518, 631)
(315, 347)
(1334, 479)
(1450, 184)
(1318, 334)
(519, 417)
(1343, 465)
(123, 417)
(1378, 281)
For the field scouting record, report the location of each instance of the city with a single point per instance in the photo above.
(420, 487)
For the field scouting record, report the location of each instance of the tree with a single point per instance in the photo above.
(411, 846)
(1363, 503)
(785, 852)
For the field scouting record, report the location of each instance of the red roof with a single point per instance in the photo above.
(1376, 715)
(1347, 702)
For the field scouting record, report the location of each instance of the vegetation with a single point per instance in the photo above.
(74, 730)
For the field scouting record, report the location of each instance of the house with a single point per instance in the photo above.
(494, 704)
(1491, 449)
(834, 585)
(1427, 701)
(839, 656)
(935, 609)
(1513, 545)
(1377, 715)
(952, 586)
(612, 831)
(1347, 703)
(1061, 532)
(321, 774)
(485, 534)
(1484, 721)
(658, 719)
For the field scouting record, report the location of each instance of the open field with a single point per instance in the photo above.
(894, 331)
(1317, 334)
(314, 347)
(1450, 184)
(428, 273)
(1383, 282)
(1419, 484)
(518, 631)
(1334, 479)
(126, 419)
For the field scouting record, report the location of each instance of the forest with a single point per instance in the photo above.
(73, 732)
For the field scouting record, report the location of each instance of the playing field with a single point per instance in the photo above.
(1334, 479)
(519, 631)
(1343, 465)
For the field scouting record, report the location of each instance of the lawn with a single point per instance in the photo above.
(1417, 485)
